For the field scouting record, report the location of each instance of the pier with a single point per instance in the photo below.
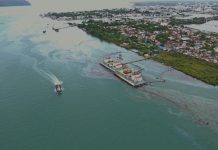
(69, 26)
(134, 61)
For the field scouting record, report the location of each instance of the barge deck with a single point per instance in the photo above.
(122, 71)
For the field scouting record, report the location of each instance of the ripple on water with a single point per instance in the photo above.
(188, 137)
(204, 110)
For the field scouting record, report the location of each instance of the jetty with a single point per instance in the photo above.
(69, 26)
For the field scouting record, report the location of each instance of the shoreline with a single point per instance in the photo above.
(188, 59)
(189, 75)
(197, 68)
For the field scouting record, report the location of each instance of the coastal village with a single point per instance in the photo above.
(159, 31)
(184, 40)
(178, 38)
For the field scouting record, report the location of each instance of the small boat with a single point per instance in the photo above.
(44, 31)
(58, 88)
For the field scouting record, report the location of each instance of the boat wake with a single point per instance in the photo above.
(52, 77)
(47, 75)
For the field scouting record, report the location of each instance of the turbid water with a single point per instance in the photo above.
(211, 26)
(97, 111)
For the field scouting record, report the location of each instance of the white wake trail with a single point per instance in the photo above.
(47, 75)
(54, 78)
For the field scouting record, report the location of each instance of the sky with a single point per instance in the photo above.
(60, 5)
(66, 5)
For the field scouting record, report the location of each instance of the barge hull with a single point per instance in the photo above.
(129, 82)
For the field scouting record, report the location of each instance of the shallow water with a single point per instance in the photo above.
(96, 110)
(211, 26)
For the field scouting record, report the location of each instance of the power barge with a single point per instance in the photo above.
(131, 75)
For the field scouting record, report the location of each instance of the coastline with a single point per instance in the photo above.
(152, 39)
(191, 68)
(97, 110)
(196, 68)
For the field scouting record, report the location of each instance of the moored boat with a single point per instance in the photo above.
(123, 71)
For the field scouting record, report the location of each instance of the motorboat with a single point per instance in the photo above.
(58, 88)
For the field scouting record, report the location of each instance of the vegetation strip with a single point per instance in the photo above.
(199, 69)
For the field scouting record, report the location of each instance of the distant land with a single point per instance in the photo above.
(13, 3)
(170, 2)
